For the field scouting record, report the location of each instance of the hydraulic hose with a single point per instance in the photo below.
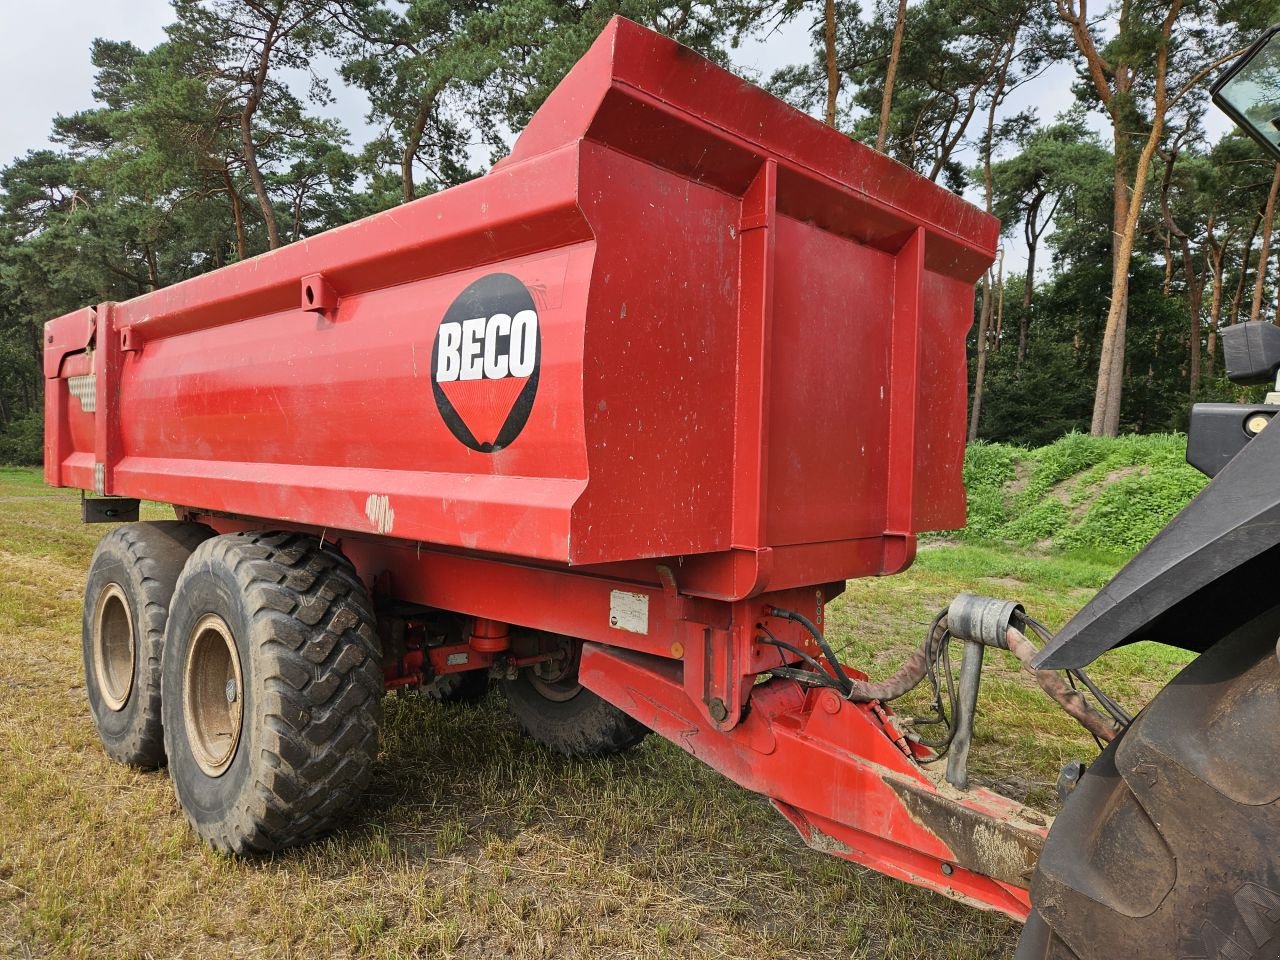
(842, 678)
(916, 668)
(1070, 699)
(908, 676)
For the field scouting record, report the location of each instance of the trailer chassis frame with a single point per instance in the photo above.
(844, 773)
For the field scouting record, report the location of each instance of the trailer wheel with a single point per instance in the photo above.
(553, 708)
(470, 686)
(1167, 847)
(272, 690)
(126, 603)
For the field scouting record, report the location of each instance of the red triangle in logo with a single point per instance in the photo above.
(484, 405)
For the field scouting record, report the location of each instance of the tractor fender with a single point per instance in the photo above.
(1211, 571)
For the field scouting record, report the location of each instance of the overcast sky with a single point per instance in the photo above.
(44, 58)
(45, 69)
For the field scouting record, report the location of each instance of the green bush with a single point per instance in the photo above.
(1080, 492)
(988, 469)
(1040, 522)
(22, 441)
(1131, 510)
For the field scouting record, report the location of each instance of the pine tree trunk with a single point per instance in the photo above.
(1195, 298)
(980, 375)
(1215, 307)
(413, 140)
(1032, 231)
(1168, 265)
(1245, 260)
(1028, 290)
(1194, 281)
(1114, 84)
(259, 80)
(255, 175)
(153, 268)
(999, 299)
(1264, 254)
(1110, 423)
(891, 73)
(1106, 411)
(237, 212)
(833, 73)
(1111, 358)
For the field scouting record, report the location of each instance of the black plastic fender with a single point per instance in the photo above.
(1211, 571)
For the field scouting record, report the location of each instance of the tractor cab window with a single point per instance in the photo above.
(1249, 92)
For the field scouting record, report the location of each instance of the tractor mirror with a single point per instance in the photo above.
(1249, 91)
(1251, 351)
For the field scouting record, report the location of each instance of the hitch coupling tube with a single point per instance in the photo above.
(1001, 623)
(994, 623)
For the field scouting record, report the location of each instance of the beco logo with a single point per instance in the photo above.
(485, 362)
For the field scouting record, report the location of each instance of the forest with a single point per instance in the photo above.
(1143, 235)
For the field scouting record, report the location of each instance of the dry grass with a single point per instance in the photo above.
(473, 842)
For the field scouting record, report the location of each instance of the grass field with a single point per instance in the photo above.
(472, 841)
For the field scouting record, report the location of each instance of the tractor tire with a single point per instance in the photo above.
(554, 709)
(1167, 847)
(471, 686)
(272, 684)
(126, 603)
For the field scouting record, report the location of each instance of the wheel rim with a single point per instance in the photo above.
(558, 679)
(212, 695)
(113, 648)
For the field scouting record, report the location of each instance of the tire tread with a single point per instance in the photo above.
(157, 551)
(1171, 823)
(586, 726)
(313, 626)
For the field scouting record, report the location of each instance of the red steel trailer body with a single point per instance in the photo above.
(686, 358)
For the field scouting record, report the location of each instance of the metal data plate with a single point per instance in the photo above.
(629, 611)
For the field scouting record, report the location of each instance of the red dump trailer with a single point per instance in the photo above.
(611, 424)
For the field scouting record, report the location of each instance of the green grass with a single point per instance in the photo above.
(1108, 495)
(472, 842)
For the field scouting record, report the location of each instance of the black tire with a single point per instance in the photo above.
(1167, 848)
(126, 603)
(560, 713)
(288, 629)
(470, 686)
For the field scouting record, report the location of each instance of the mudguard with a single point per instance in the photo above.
(1210, 572)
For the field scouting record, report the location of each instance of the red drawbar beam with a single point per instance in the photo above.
(840, 772)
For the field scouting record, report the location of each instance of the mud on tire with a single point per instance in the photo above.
(126, 604)
(1168, 846)
(272, 686)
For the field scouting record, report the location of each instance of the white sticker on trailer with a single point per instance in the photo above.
(629, 611)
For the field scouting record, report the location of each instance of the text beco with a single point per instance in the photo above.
(488, 348)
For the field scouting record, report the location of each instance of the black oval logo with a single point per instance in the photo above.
(485, 362)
